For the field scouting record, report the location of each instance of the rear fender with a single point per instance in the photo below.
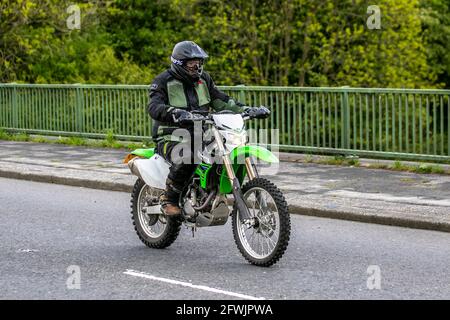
(150, 167)
(144, 153)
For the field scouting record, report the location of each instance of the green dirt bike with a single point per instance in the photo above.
(259, 212)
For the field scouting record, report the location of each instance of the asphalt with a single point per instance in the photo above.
(351, 193)
(49, 230)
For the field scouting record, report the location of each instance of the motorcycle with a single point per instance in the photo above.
(226, 183)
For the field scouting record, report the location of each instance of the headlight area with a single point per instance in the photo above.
(234, 139)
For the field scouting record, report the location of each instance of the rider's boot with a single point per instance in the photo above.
(169, 199)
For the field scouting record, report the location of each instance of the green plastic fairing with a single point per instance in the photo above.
(202, 171)
(237, 158)
(145, 153)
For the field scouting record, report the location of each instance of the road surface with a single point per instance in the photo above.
(60, 242)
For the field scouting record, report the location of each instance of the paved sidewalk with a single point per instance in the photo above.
(360, 194)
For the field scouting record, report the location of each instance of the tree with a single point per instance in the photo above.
(37, 46)
(252, 42)
(435, 17)
(310, 43)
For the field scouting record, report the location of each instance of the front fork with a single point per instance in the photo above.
(237, 191)
(251, 170)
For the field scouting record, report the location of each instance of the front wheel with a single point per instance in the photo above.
(154, 229)
(264, 237)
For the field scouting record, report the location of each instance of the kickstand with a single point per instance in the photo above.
(194, 229)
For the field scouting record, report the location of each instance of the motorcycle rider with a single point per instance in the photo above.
(174, 93)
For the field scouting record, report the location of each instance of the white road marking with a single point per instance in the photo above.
(27, 250)
(190, 285)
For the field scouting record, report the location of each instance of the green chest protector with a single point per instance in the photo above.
(177, 98)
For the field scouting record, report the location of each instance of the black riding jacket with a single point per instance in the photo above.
(169, 91)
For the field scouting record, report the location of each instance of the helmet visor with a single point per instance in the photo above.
(194, 66)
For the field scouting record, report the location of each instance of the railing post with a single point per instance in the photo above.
(15, 109)
(79, 123)
(241, 94)
(346, 119)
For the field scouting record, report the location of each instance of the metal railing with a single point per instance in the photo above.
(387, 123)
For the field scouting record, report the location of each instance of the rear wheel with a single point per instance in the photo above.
(264, 237)
(153, 228)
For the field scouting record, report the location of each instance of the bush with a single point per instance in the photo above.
(4, 135)
(22, 136)
(423, 168)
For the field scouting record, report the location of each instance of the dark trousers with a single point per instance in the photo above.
(180, 172)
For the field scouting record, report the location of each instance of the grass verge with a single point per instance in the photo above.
(338, 160)
(108, 142)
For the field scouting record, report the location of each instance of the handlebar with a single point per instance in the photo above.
(198, 115)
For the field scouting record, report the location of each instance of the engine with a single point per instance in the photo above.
(205, 209)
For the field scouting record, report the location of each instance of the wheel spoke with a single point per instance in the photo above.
(260, 202)
(252, 235)
(269, 248)
(253, 238)
(268, 245)
(254, 209)
(261, 243)
(273, 241)
(261, 209)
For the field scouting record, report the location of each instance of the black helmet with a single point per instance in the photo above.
(182, 53)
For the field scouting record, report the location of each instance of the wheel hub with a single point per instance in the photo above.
(265, 225)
